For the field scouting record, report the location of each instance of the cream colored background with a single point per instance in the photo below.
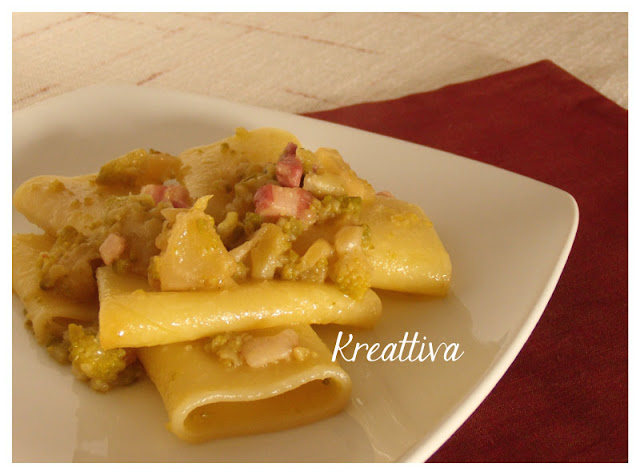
(302, 62)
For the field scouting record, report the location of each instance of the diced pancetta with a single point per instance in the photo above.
(273, 201)
(289, 167)
(263, 350)
(112, 248)
(155, 191)
(177, 195)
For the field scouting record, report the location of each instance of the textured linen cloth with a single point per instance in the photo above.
(565, 398)
(299, 62)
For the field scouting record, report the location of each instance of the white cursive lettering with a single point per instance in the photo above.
(403, 350)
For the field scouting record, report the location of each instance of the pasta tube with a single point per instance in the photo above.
(213, 169)
(131, 315)
(53, 202)
(406, 254)
(206, 399)
(48, 312)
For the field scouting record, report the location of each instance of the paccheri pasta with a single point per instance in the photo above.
(206, 271)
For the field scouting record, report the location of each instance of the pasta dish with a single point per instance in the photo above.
(206, 272)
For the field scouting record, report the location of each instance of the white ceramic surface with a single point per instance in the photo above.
(508, 237)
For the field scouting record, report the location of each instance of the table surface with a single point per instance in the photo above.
(303, 62)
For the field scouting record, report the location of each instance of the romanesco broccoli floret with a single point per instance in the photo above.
(332, 206)
(352, 276)
(292, 227)
(295, 269)
(252, 222)
(103, 369)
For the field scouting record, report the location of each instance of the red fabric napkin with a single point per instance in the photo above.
(565, 398)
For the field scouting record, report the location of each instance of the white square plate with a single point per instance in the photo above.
(508, 237)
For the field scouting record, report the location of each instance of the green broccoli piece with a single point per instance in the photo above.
(331, 206)
(103, 369)
(351, 275)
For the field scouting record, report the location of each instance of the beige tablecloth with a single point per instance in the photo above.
(301, 62)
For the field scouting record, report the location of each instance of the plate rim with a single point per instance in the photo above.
(431, 444)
